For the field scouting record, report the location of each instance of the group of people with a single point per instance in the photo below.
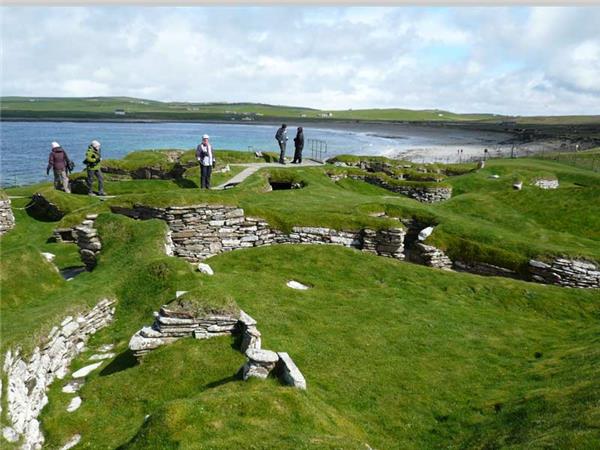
(281, 138)
(207, 160)
(61, 165)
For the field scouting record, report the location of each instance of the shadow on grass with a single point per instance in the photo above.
(123, 361)
(185, 183)
(235, 377)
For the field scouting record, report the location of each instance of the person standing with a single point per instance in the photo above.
(92, 163)
(298, 146)
(205, 156)
(281, 137)
(60, 164)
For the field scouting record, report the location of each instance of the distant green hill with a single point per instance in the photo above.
(129, 108)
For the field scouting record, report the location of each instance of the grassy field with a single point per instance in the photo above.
(395, 355)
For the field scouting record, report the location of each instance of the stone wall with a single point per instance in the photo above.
(88, 241)
(29, 378)
(546, 183)
(201, 231)
(170, 325)
(481, 268)
(566, 272)
(7, 218)
(431, 256)
(425, 194)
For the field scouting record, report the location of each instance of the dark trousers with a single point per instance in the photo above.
(205, 172)
(298, 155)
(90, 180)
(282, 152)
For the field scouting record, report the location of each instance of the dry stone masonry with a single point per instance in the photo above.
(424, 194)
(88, 241)
(546, 183)
(566, 272)
(29, 378)
(170, 325)
(7, 218)
(201, 231)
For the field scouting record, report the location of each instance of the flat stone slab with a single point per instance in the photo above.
(290, 374)
(106, 348)
(71, 442)
(296, 285)
(74, 405)
(101, 356)
(49, 256)
(262, 356)
(72, 386)
(85, 371)
(205, 268)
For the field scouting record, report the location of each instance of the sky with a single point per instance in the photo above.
(504, 60)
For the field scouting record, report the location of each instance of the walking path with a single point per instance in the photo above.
(251, 168)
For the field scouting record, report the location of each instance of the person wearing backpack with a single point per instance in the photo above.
(59, 162)
(281, 137)
(92, 163)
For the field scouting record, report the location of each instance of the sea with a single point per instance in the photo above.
(24, 146)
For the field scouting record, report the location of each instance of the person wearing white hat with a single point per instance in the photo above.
(206, 158)
(60, 164)
(92, 163)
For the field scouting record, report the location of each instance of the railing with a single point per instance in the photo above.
(318, 149)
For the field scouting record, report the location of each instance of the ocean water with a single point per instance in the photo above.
(24, 146)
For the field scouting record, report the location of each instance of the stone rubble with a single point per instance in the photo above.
(29, 378)
(7, 218)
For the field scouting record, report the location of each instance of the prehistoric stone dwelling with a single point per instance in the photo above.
(7, 218)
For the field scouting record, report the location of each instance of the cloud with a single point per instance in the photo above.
(503, 60)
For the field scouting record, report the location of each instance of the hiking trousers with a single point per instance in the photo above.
(90, 180)
(61, 180)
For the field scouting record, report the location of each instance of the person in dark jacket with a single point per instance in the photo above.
(59, 162)
(207, 160)
(281, 137)
(92, 163)
(298, 146)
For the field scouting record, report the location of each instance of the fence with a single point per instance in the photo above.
(318, 149)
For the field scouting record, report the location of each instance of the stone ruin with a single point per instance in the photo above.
(170, 325)
(29, 378)
(88, 241)
(7, 218)
(201, 231)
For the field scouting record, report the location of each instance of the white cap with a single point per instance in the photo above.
(96, 144)
(205, 136)
(55, 144)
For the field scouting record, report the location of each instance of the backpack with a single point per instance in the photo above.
(70, 166)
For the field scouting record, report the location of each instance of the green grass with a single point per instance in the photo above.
(395, 355)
